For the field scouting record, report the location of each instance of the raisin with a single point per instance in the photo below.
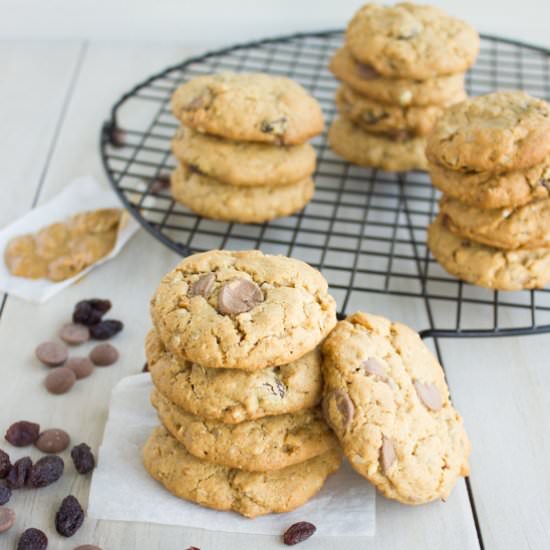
(90, 312)
(19, 473)
(69, 517)
(33, 539)
(193, 548)
(46, 471)
(298, 532)
(144, 369)
(106, 329)
(5, 464)
(83, 458)
(22, 433)
(5, 495)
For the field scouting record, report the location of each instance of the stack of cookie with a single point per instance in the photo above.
(235, 361)
(401, 66)
(242, 147)
(491, 158)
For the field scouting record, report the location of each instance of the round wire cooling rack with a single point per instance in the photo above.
(365, 229)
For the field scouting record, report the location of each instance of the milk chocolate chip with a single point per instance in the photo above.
(74, 334)
(429, 395)
(344, 406)
(199, 102)
(60, 380)
(7, 519)
(104, 355)
(238, 296)
(51, 353)
(366, 72)
(53, 441)
(375, 367)
(203, 285)
(81, 366)
(387, 454)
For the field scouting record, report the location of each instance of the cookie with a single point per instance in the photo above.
(232, 396)
(411, 41)
(244, 163)
(377, 151)
(248, 493)
(263, 445)
(242, 310)
(388, 403)
(213, 199)
(487, 266)
(498, 132)
(365, 80)
(380, 118)
(249, 107)
(489, 190)
(526, 226)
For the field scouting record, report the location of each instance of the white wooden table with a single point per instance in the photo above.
(53, 100)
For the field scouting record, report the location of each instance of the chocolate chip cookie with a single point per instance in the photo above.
(244, 310)
(388, 403)
(248, 493)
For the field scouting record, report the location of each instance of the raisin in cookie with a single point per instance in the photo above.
(243, 310)
(411, 41)
(249, 107)
(387, 400)
(230, 395)
(487, 266)
(496, 132)
(263, 445)
(248, 493)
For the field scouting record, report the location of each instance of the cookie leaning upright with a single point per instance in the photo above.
(388, 403)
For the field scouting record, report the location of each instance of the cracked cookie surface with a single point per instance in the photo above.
(248, 493)
(387, 400)
(262, 445)
(287, 309)
(487, 266)
(411, 40)
(233, 396)
(497, 132)
(249, 107)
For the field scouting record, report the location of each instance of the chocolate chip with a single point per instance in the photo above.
(19, 473)
(366, 72)
(374, 366)
(89, 312)
(69, 517)
(51, 354)
(298, 532)
(203, 285)
(33, 539)
(239, 296)
(106, 329)
(45, 471)
(429, 395)
(344, 406)
(387, 454)
(74, 334)
(5, 495)
(277, 126)
(7, 519)
(81, 366)
(5, 464)
(60, 380)
(161, 183)
(83, 458)
(22, 434)
(104, 355)
(53, 441)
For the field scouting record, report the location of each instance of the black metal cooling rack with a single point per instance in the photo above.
(365, 229)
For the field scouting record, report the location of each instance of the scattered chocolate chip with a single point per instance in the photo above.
(33, 539)
(45, 471)
(298, 532)
(90, 312)
(106, 329)
(7, 519)
(387, 454)
(160, 184)
(239, 296)
(23, 433)
(203, 285)
(104, 355)
(87, 547)
(60, 380)
(5, 495)
(344, 406)
(53, 441)
(366, 72)
(375, 367)
(429, 395)
(74, 334)
(69, 517)
(51, 354)
(83, 458)
(81, 366)
(5, 464)
(278, 126)
(19, 473)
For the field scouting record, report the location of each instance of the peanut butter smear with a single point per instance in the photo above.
(64, 249)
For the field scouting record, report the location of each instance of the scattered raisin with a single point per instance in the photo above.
(5, 495)
(19, 473)
(33, 539)
(22, 433)
(193, 548)
(69, 517)
(144, 369)
(46, 471)
(106, 329)
(90, 312)
(83, 458)
(298, 532)
(5, 464)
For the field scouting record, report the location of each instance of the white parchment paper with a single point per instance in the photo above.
(81, 195)
(122, 490)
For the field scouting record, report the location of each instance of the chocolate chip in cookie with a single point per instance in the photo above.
(239, 296)
(387, 454)
(203, 285)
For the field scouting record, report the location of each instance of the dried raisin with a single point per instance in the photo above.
(5, 464)
(33, 539)
(46, 471)
(83, 458)
(90, 312)
(5, 495)
(298, 532)
(69, 517)
(22, 433)
(106, 329)
(19, 473)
